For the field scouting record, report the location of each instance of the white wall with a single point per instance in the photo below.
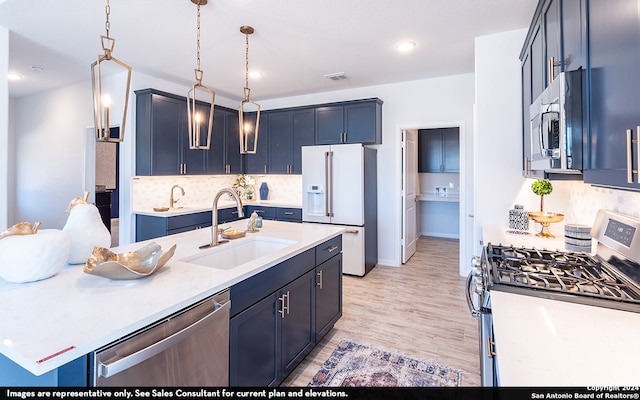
(4, 129)
(446, 101)
(498, 131)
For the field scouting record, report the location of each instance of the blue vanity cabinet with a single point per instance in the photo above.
(358, 121)
(162, 142)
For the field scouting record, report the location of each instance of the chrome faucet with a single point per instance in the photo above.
(214, 216)
(173, 202)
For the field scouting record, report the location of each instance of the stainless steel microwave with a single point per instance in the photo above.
(555, 137)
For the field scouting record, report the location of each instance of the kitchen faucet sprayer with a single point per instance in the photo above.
(172, 202)
(214, 217)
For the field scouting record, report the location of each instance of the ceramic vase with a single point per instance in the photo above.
(264, 191)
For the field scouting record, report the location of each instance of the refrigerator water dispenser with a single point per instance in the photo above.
(315, 200)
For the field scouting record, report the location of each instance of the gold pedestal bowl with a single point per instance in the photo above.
(545, 219)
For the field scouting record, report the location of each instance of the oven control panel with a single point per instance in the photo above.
(617, 232)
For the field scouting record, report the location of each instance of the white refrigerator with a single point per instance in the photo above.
(339, 184)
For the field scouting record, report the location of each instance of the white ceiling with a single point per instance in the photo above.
(296, 42)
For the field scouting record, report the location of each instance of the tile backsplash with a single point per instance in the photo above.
(154, 191)
(580, 202)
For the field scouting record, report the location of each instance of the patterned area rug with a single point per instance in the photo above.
(353, 364)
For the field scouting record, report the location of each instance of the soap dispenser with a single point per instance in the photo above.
(251, 225)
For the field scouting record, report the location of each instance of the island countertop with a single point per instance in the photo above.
(46, 324)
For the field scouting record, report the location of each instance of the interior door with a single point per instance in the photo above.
(409, 192)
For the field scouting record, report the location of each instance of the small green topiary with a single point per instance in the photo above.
(541, 187)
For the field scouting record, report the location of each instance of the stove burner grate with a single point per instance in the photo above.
(566, 272)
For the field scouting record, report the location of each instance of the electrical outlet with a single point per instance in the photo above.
(441, 190)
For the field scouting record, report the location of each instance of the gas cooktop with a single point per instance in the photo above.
(564, 272)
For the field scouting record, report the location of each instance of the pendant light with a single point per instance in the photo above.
(108, 77)
(197, 114)
(249, 113)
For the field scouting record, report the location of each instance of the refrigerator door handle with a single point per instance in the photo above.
(328, 176)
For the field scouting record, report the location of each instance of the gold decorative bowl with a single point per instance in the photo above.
(233, 234)
(131, 265)
(545, 219)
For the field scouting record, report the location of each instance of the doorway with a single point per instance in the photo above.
(442, 192)
(102, 176)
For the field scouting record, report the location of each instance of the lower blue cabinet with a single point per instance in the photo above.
(271, 331)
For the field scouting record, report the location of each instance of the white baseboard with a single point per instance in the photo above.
(441, 235)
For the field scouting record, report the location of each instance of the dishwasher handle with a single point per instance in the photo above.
(109, 369)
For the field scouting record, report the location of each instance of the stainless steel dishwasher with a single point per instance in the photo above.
(189, 348)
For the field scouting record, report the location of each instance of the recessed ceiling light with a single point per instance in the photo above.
(405, 46)
(255, 74)
(13, 76)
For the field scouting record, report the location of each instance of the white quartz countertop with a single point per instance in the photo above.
(47, 323)
(183, 210)
(496, 234)
(449, 198)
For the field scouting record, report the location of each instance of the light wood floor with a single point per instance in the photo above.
(418, 309)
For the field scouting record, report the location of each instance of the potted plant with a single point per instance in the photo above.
(541, 187)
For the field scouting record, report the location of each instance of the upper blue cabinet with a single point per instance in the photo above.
(358, 121)
(555, 44)
(614, 59)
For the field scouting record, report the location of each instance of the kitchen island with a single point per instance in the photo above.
(49, 323)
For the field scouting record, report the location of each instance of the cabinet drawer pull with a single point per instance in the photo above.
(288, 213)
(354, 231)
(332, 249)
(319, 284)
(285, 304)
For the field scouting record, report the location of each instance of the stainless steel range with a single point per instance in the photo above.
(559, 299)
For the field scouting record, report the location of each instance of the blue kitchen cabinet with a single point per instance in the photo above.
(288, 131)
(302, 134)
(439, 150)
(224, 157)
(287, 214)
(72, 374)
(328, 295)
(358, 121)
(297, 324)
(253, 344)
(162, 142)
(267, 213)
(555, 43)
(613, 59)
(150, 227)
(274, 315)
(258, 163)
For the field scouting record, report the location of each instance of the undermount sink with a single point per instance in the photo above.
(235, 253)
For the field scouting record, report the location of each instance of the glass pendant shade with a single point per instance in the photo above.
(111, 82)
(200, 115)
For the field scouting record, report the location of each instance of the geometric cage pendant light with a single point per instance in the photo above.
(198, 116)
(249, 112)
(110, 80)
